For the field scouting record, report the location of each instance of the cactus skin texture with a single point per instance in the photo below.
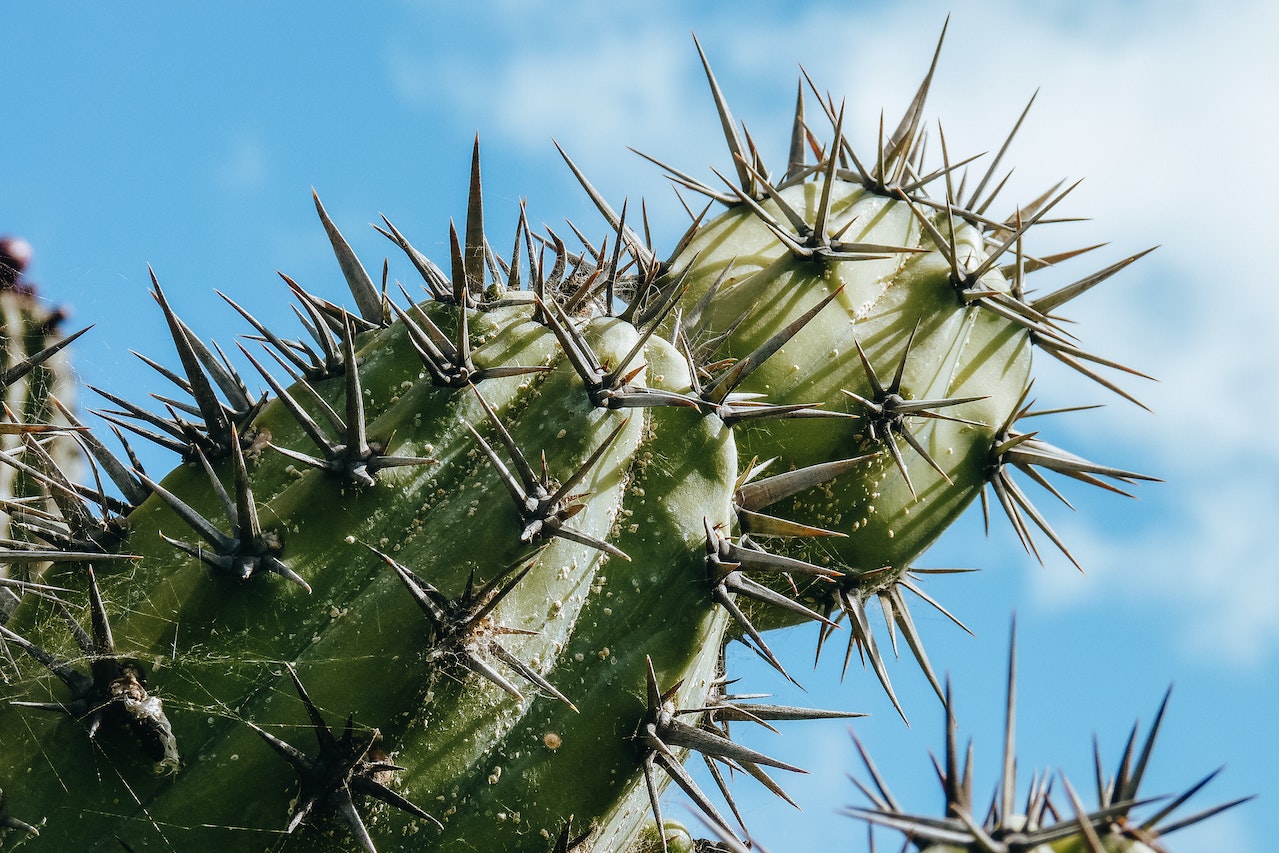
(462, 579)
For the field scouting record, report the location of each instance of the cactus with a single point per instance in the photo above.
(506, 530)
(36, 378)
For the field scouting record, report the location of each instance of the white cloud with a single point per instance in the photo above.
(1207, 567)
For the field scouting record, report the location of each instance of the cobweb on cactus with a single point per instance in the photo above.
(588, 467)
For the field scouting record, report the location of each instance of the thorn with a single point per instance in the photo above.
(22, 368)
(473, 262)
(736, 151)
(365, 292)
(462, 632)
(342, 770)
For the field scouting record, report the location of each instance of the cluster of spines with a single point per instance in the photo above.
(1006, 827)
(344, 768)
(114, 687)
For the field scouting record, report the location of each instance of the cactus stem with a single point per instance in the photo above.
(340, 771)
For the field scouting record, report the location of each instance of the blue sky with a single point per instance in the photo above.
(189, 137)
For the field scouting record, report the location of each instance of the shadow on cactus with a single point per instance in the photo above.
(505, 528)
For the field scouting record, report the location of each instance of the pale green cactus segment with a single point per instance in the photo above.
(35, 376)
(894, 298)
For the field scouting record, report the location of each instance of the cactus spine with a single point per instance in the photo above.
(505, 531)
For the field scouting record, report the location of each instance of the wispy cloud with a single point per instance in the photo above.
(244, 166)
